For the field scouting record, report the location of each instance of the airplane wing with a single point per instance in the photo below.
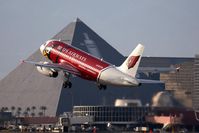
(56, 66)
(158, 69)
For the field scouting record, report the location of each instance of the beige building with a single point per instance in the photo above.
(195, 92)
(183, 84)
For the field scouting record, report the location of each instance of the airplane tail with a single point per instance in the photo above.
(131, 64)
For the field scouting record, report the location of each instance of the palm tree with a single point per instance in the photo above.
(12, 109)
(43, 108)
(25, 113)
(19, 111)
(33, 109)
(32, 114)
(28, 110)
(6, 109)
(3, 109)
(40, 114)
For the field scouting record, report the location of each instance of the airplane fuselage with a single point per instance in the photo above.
(85, 65)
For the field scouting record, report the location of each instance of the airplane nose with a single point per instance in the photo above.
(42, 47)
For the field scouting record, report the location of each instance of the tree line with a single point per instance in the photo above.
(32, 111)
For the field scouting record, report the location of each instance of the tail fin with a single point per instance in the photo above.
(131, 64)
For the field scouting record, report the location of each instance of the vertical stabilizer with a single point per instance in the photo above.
(131, 64)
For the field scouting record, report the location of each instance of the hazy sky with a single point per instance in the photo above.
(166, 27)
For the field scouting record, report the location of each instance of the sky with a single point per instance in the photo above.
(167, 28)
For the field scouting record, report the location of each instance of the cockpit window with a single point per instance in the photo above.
(48, 49)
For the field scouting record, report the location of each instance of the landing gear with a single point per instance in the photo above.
(67, 83)
(102, 87)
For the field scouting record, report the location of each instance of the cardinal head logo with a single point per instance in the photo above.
(132, 61)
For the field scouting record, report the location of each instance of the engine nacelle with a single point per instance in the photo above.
(47, 71)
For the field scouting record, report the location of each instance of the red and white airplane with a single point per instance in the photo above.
(73, 61)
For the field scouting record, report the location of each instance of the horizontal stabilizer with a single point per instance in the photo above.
(158, 69)
(146, 81)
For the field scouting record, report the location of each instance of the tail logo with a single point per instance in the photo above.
(132, 61)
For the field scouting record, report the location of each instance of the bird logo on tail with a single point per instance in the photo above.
(132, 61)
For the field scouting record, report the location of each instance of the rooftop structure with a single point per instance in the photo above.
(126, 117)
(128, 102)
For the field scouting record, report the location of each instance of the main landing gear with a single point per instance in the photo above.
(101, 87)
(67, 83)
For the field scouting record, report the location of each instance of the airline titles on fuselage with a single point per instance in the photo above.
(76, 58)
(71, 53)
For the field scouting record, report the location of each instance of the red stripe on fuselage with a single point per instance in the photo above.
(88, 66)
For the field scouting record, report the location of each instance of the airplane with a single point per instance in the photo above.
(73, 61)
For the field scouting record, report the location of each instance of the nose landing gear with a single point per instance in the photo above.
(67, 84)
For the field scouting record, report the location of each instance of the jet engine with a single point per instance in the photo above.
(47, 71)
